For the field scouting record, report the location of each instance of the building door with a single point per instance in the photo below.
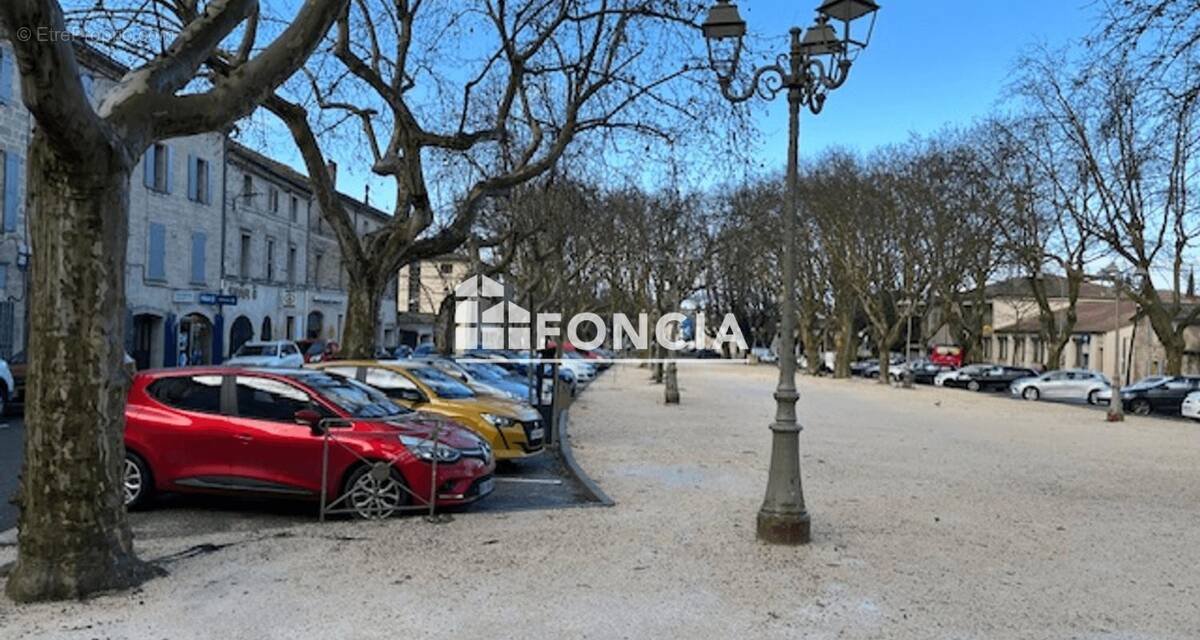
(195, 340)
(313, 328)
(240, 332)
(265, 334)
(145, 327)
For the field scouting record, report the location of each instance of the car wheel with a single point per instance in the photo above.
(376, 491)
(136, 481)
(1031, 393)
(1092, 399)
(1140, 407)
(973, 385)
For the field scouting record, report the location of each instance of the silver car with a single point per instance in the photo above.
(1064, 384)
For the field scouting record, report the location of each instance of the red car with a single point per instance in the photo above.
(253, 431)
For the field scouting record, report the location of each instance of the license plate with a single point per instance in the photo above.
(487, 486)
(537, 434)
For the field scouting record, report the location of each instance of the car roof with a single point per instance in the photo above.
(216, 370)
(264, 343)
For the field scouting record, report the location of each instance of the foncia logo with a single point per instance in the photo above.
(485, 319)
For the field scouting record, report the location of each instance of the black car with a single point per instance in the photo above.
(991, 379)
(1164, 396)
(923, 371)
(860, 367)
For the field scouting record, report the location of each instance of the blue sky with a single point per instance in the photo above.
(930, 63)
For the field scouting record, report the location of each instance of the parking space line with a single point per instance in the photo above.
(517, 480)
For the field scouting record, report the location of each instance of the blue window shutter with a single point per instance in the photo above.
(199, 240)
(192, 190)
(148, 168)
(207, 183)
(170, 173)
(158, 247)
(12, 187)
(6, 77)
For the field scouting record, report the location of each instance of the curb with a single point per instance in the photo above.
(568, 458)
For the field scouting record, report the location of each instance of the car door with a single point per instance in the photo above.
(275, 454)
(183, 432)
(1168, 397)
(1051, 385)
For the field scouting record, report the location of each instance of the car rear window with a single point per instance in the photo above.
(190, 393)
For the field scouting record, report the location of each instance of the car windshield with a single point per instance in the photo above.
(443, 385)
(353, 397)
(1149, 381)
(257, 350)
(483, 371)
(975, 368)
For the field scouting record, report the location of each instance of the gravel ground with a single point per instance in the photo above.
(936, 514)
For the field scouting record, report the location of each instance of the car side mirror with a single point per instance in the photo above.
(311, 419)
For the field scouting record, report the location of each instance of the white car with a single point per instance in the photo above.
(963, 373)
(1191, 406)
(277, 354)
(766, 356)
(1066, 384)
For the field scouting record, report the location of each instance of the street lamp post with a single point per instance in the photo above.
(815, 64)
(1116, 404)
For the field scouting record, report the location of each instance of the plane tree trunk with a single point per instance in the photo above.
(74, 538)
(363, 299)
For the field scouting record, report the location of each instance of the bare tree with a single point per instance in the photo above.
(549, 72)
(74, 538)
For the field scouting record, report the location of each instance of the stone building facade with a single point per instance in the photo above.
(225, 244)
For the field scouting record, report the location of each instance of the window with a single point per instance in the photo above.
(190, 393)
(289, 350)
(10, 187)
(290, 328)
(199, 242)
(320, 257)
(414, 287)
(446, 268)
(1003, 349)
(7, 78)
(273, 199)
(291, 264)
(199, 180)
(248, 189)
(244, 257)
(295, 209)
(269, 399)
(270, 259)
(156, 268)
(157, 167)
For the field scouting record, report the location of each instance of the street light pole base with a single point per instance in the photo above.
(783, 528)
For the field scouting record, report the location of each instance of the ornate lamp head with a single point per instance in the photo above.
(723, 31)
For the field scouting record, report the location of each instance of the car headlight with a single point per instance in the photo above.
(497, 421)
(427, 450)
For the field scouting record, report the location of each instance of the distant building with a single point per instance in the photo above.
(422, 287)
(225, 244)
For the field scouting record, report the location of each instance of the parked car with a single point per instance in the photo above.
(765, 355)
(1066, 384)
(514, 393)
(1162, 396)
(1105, 396)
(942, 378)
(996, 378)
(230, 430)
(860, 367)
(316, 350)
(923, 371)
(894, 361)
(1191, 406)
(946, 355)
(514, 430)
(283, 354)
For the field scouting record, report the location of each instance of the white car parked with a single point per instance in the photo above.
(278, 354)
(1191, 406)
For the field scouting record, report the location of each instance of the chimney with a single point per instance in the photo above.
(332, 167)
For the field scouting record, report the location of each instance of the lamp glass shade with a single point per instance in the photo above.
(848, 10)
(723, 21)
(821, 39)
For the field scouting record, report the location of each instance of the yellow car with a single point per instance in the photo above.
(513, 429)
